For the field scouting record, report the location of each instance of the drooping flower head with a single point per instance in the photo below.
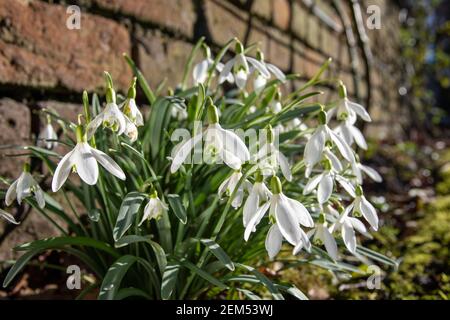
(323, 136)
(221, 145)
(110, 117)
(201, 69)
(129, 107)
(47, 136)
(154, 208)
(260, 79)
(83, 160)
(239, 66)
(23, 187)
(287, 214)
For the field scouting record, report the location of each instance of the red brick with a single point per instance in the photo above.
(36, 48)
(15, 122)
(175, 14)
(279, 51)
(225, 22)
(162, 57)
(263, 9)
(281, 13)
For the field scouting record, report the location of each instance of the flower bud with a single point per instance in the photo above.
(275, 185)
(132, 90)
(342, 90)
(212, 115)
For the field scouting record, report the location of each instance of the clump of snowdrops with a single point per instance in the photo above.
(194, 192)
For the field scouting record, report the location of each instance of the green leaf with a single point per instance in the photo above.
(131, 292)
(158, 122)
(127, 213)
(113, 278)
(203, 274)
(142, 82)
(249, 294)
(177, 207)
(219, 253)
(56, 242)
(18, 266)
(293, 291)
(265, 281)
(157, 249)
(169, 279)
(376, 256)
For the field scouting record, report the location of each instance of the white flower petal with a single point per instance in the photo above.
(108, 163)
(325, 188)
(314, 147)
(372, 173)
(224, 74)
(346, 185)
(274, 241)
(255, 220)
(183, 152)
(259, 66)
(287, 222)
(85, 163)
(39, 196)
(348, 235)
(276, 72)
(241, 78)
(330, 243)
(358, 225)
(11, 194)
(233, 144)
(359, 138)
(303, 215)
(200, 71)
(369, 213)
(343, 147)
(312, 184)
(8, 217)
(284, 166)
(62, 171)
(250, 206)
(360, 110)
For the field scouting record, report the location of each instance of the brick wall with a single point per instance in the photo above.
(42, 63)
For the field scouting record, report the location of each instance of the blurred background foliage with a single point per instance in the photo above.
(415, 197)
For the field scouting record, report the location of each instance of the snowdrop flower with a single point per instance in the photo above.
(321, 137)
(324, 183)
(83, 158)
(259, 194)
(288, 215)
(220, 145)
(348, 110)
(260, 80)
(110, 117)
(350, 133)
(8, 217)
(23, 187)
(154, 208)
(47, 135)
(200, 71)
(229, 185)
(130, 108)
(358, 169)
(275, 105)
(131, 130)
(322, 236)
(348, 225)
(240, 68)
(270, 158)
(361, 206)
